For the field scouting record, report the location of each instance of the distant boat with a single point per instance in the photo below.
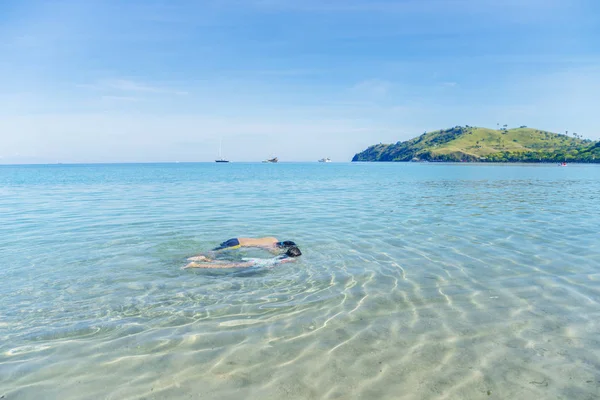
(327, 159)
(271, 160)
(221, 159)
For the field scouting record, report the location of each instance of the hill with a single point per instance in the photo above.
(474, 144)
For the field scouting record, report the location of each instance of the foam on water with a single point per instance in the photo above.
(417, 281)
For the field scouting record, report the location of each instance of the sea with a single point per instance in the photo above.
(417, 281)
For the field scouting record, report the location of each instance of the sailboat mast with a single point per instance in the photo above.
(221, 159)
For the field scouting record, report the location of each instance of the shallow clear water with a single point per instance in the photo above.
(418, 281)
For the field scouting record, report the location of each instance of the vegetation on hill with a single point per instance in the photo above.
(469, 143)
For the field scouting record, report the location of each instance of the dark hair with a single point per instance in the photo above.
(286, 244)
(293, 251)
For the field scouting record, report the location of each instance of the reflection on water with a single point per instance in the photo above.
(417, 281)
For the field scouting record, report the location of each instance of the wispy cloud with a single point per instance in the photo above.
(131, 86)
(344, 5)
(406, 6)
(125, 85)
(287, 72)
(121, 98)
(372, 87)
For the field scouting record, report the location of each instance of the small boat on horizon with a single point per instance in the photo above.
(221, 159)
(271, 160)
(326, 159)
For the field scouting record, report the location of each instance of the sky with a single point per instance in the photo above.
(166, 80)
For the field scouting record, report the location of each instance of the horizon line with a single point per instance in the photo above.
(165, 162)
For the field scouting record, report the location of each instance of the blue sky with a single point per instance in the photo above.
(157, 80)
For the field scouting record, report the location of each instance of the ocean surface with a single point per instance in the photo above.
(417, 281)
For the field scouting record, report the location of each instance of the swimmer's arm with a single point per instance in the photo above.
(286, 260)
(219, 265)
(199, 257)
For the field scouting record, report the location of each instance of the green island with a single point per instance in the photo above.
(475, 144)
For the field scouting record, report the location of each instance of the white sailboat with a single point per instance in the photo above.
(326, 159)
(221, 159)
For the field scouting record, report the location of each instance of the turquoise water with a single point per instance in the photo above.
(418, 281)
